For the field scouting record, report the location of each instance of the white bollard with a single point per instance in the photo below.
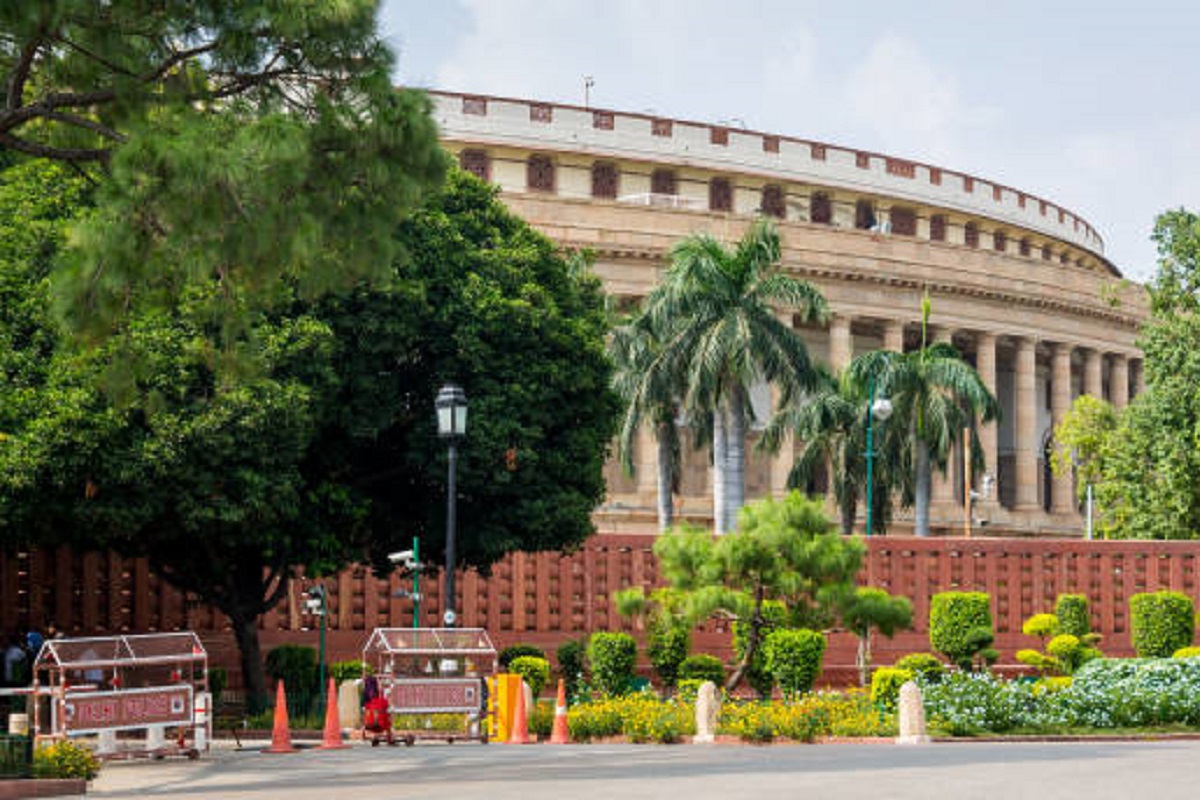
(349, 706)
(108, 743)
(912, 715)
(156, 737)
(203, 721)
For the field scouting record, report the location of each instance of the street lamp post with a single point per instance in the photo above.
(316, 605)
(879, 409)
(451, 404)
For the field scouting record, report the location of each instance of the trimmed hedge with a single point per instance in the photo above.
(1073, 615)
(514, 651)
(960, 625)
(885, 686)
(702, 667)
(612, 657)
(1161, 623)
(925, 665)
(533, 670)
(794, 659)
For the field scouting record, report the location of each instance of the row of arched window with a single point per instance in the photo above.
(901, 220)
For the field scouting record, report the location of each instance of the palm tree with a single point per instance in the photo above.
(934, 395)
(649, 395)
(830, 423)
(715, 316)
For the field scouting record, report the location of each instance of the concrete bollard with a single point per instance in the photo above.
(708, 710)
(912, 715)
(156, 738)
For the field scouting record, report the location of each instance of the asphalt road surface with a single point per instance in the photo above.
(961, 770)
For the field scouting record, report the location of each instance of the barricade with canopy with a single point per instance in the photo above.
(424, 671)
(157, 683)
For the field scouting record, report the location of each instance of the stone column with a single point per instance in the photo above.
(1025, 426)
(1139, 377)
(893, 335)
(841, 343)
(989, 433)
(1118, 381)
(942, 490)
(1093, 370)
(1062, 490)
(645, 462)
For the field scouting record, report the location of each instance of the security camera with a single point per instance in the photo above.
(404, 557)
(983, 523)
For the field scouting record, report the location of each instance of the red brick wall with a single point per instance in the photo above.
(547, 598)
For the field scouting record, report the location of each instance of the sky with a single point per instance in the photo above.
(1093, 105)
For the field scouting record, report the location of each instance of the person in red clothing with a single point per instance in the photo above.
(377, 717)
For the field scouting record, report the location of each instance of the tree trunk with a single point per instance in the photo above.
(735, 454)
(752, 640)
(719, 458)
(922, 488)
(665, 515)
(849, 511)
(245, 631)
(862, 658)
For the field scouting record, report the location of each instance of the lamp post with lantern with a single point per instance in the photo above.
(451, 405)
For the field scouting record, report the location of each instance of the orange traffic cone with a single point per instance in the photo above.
(560, 734)
(520, 725)
(281, 737)
(332, 739)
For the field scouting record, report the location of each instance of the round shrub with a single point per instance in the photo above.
(516, 651)
(794, 659)
(885, 686)
(533, 670)
(960, 625)
(570, 656)
(1161, 622)
(295, 665)
(612, 657)
(350, 670)
(668, 642)
(702, 667)
(1186, 652)
(1073, 616)
(927, 666)
(65, 759)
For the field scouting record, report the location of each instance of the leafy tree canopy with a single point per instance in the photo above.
(783, 550)
(327, 451)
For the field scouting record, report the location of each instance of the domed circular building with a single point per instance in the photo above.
(1019, 284)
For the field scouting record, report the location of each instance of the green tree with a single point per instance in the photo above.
(256, 147)
(1080, 440)
(1147, 487)
(783, 550)
(867, 610)
(830, 424)
(934, 395)
(327, 452)
(669, 633)
(649, 396)
(716, 316)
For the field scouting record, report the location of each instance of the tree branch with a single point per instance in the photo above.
(56, 153)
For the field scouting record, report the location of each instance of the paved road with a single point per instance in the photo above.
(1151, 770)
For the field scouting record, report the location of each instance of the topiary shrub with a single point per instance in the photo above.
(794, 659)
(702, 667)
(926, 666)
(612, 657)
(516, 651)
(1186, 652)
(295, 665)
(1161, 623)
(350, 670)
(1073, 617)
(885, 686)
(757, 675)
(571, 655)
(667, 645)
(960, 626)
(533, 670)
(1042, 626)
